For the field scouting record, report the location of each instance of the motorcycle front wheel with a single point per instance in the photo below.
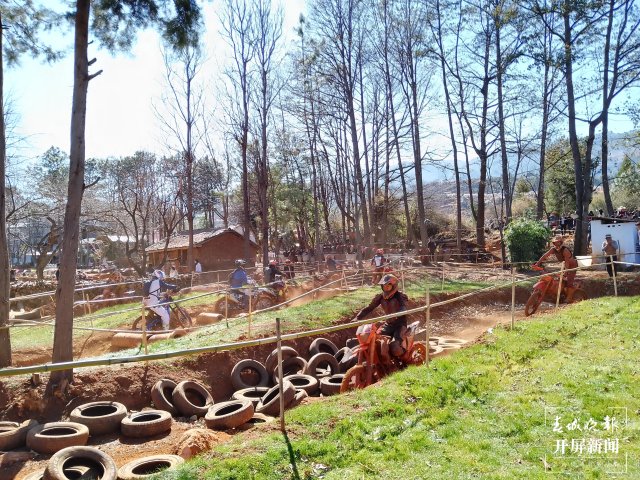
(180, 318)
(533, 303)
(137, 323)
(355, 378)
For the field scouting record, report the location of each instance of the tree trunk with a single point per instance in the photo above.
(5, 285)
(63, 332)
(605, 115)
(506, 190)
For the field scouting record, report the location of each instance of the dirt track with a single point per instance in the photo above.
(467, 319)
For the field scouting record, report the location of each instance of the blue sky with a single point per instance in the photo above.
(120, 117)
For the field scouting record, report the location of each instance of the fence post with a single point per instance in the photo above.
(560, 285)
(427, 323)
(442, 286)
(250, 312)
(513, 296)
(615, 278)
(280, 376)
(144, 329)
(402, 273)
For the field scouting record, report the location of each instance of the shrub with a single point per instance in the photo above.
(526, 240)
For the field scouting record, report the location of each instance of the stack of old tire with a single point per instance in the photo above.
(320, 374)
(66, 442)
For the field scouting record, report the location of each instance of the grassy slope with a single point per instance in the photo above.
(477, 414)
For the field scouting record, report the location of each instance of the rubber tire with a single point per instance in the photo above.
(248, 364)
(321, 359)
(256, 419)
(161, 395)
(352, 343)
(56, 467)
(147, 467)
(353, 379)
(231, 414)
(270, 403)
(579, 295)
(39, 442)
(180, 318)
(253, 394)
(331, 385)
(304, 382)
(418, 354)
(147, 423)
(263, 303)
(272, 360)
(290, 366)
(184, 405)
(99, 424)
(344, 352)
(320, 345)
(347, 359)
(35, 476)
(136, 323)
(297, 399)
(532, 304)
(14, 435)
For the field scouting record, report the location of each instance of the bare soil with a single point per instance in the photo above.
(20, 399)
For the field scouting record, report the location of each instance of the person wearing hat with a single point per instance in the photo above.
(610, 249)
(288, 269)
(392, 301)
(562, 254)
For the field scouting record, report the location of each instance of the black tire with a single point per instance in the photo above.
(161, 395)
(180, 318)
(353, 379)
(290, 366)
(137, 323)
(352, 343)
(54, 436)
(147, 423)
(297, 399)
(533, 303)
(331, 385)
(263, 303)
(14, 435)
(256, 419)
(272, 360)
(100, 417)
(270, 403)
(322, 365)
(231, 414)
(191, 398)
(344, 352)
(348, 360)
(304, 382)
(253, 394)
(100, 464)
(322, 345)
(249, 368)
(579, 295)
(35, 476)
(147, 467)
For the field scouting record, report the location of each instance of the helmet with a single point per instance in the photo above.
(159, 274)
(389, 284)
(273, 263)
(241, 262)
(380, 251)
(287, 261)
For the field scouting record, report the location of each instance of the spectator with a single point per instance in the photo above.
(331, 263)
(610, 248)
(198, 267)
(288, 269)
(173, 272)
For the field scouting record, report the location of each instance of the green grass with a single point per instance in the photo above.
(315, 314)
(477, 414)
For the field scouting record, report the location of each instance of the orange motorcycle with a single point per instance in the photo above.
(370, 367)
(546, 288)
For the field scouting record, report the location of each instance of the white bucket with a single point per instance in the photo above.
(584, 260)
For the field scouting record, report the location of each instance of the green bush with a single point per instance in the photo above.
(526, 240)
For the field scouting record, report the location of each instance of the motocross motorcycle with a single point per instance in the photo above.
(546, 288)
(258, 298)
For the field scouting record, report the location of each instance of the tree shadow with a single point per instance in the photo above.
(292, 457)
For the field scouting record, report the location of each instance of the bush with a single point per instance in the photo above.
(526, 240)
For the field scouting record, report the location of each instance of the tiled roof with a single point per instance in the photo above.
(181, 239)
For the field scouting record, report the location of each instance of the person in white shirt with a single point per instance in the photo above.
(610, 248)
(198, 267)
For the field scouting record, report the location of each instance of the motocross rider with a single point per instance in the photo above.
(562, 254)
(237, 279)
(392, 301)
(153, 289)
(272, 271)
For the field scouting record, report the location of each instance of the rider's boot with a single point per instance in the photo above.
(569, 291)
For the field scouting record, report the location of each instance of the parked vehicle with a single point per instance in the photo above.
(179, 317)
(546, 289)
(370, 367)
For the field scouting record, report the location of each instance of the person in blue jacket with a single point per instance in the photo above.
(238, 279)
